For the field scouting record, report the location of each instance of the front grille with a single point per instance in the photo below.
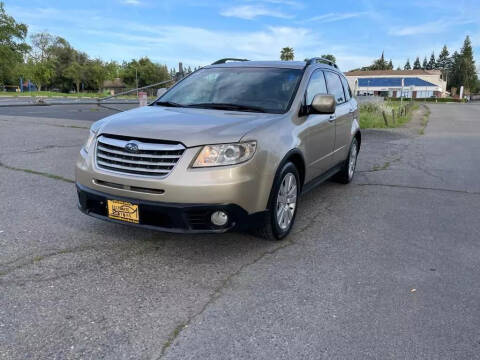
(149, 158)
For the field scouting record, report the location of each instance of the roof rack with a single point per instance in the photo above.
(223, 61)
(316, 60)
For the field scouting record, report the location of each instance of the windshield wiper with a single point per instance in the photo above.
(169, 103)
(228, 106)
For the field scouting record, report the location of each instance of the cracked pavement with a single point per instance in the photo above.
(386, 267)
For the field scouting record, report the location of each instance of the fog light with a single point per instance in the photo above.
(219, 218)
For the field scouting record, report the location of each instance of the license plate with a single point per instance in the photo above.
(122, 210)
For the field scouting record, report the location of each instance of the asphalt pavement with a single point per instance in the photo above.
(387, 267)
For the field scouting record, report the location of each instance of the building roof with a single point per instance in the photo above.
(392, 72)
(393, 82)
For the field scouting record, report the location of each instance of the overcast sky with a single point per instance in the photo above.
(198, 32)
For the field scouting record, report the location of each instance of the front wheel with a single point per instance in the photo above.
(283, 204)
(348, 169)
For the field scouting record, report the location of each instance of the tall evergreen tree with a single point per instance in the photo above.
(390, 65)
(444, 63)
(432, 63)
(416, 64)
(407, 65)
(425, 63)
(467, 70)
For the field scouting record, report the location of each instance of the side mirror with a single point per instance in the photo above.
(161, 91)
(323, 104)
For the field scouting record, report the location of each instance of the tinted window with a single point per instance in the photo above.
(316, 86)
(268, 88)
(334, 86)
(346, 88)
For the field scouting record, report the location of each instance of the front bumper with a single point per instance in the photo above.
(169, 217)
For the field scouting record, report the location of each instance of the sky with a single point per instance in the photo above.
(198, 32)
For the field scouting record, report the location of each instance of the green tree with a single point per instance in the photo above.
(329, 57)
(407, 65)
(287, 54)
(95, 74)
(432, 64)
(74, 72)
(444, 62)
(467, 71)
(12, 46)
(146, 71)
(390, 65)
(416, 64)
(40, 72)
(380, 64)
(41, 43)
(425, 63)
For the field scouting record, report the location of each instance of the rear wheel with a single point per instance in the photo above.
(348, 169)
(283, 204)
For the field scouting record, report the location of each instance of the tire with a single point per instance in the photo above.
(347, 172)
(277, 223)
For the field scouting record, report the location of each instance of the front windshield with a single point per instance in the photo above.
(244, 89)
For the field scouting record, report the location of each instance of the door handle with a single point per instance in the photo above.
(332, 118)
(352, 110)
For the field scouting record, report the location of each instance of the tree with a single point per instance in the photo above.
(146, 71)
(454, 77)
(425, 63)
(467, 72)
(444, 63)
(329, 57)
(407, 65)
(432, 64)
(41, 42)
(40, 72)
(390, 65)
(416, 64)
(287, 54)
(95, 73)
(74, 72)
(12, 46)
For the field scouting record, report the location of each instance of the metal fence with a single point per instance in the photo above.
(130, 97)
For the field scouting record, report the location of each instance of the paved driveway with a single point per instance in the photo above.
(387, 267)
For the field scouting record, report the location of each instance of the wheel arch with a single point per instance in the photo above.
(294, 156)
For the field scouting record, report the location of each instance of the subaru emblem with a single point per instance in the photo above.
(131, 147)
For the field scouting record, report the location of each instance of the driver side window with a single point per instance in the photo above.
(316, 86)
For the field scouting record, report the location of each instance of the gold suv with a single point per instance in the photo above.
(232, 146)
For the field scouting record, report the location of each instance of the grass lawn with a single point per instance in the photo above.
(371, 115)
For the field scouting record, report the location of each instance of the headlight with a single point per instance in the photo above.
(225, 154)
(91, 138)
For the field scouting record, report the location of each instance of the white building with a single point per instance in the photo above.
(397, 83)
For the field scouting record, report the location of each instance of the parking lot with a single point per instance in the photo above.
(387, 267)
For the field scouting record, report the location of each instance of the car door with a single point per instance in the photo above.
(321, 130)
(343, 116)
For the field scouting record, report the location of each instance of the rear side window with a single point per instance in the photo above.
(335, 87)
(346, 88)
(316, 86)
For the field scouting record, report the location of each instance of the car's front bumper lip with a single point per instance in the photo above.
(169, 217)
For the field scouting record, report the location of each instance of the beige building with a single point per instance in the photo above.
(398, 83)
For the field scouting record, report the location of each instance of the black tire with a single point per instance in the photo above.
(344, 176)
(270, 229)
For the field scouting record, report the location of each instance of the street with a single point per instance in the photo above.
(387, 267)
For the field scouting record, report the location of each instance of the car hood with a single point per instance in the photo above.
(192, 127)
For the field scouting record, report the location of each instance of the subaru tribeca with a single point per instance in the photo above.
(232, 146)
